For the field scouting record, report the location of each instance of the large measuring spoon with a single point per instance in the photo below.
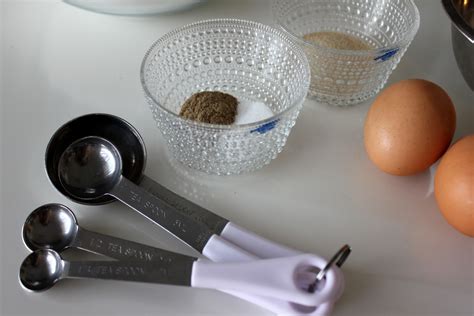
(54, 226)
(43, 268)
(91, 167)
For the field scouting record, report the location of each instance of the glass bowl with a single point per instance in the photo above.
(342, 76)
(248, 60)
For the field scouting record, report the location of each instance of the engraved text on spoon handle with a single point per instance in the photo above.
(191, 232)
(122, 249)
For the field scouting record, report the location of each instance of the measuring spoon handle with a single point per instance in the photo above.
(155, 209)
(241, 237)
(184, 206)
(122, 249)
(177, 274)
(277, 278)
(269, 277)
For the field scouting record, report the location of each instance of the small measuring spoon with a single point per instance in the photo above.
(43, 268)
(54, 226)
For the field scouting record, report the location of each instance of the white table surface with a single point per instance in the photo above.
(58, 62)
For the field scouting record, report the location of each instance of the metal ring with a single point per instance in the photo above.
(338, 259)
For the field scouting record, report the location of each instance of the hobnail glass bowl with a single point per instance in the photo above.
(345, 77)
(248, 60)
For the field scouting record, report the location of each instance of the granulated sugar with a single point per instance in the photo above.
(252, 111)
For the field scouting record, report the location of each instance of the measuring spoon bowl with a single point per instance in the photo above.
(41, 270)
(90, 168)
(116, 130)
(50, 226)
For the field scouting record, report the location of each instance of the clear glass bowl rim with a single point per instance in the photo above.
(257, 25)
(409, 36)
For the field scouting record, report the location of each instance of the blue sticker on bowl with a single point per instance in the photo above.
(386, 54)
(262, 129)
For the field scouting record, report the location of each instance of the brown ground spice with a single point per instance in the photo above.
(210, 107)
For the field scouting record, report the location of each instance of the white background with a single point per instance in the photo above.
(58, 62)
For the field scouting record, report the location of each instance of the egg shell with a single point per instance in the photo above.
(409, 127)
(454, 185)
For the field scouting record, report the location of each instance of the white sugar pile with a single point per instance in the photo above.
(252, 111)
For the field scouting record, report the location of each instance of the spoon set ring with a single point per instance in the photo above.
(103, 163)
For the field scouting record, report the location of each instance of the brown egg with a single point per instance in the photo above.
(454, 185)
(409, 127)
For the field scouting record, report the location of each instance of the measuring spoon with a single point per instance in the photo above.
(237, 243)
(54, 226)
(275, 278)
(91, 167)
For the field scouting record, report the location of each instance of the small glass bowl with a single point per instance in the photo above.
(248, 60)
(345, 77)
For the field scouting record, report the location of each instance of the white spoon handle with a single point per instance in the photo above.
(276, 278)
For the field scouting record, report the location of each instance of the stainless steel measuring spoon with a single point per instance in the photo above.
(91, 167)
(54, 226)
(132, 149)
(43, 268)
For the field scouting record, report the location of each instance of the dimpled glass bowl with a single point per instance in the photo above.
(246, 59)
(345, 77)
